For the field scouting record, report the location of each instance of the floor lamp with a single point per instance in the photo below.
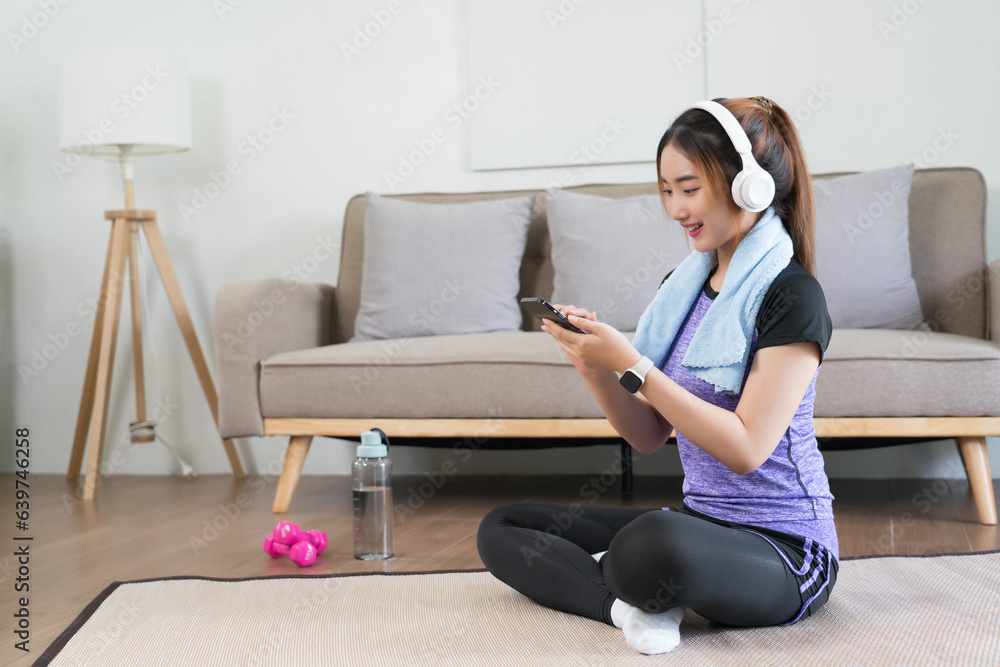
(121, 103)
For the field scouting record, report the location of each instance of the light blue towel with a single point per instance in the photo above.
(720, 347)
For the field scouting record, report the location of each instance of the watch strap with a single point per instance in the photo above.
(642, 367)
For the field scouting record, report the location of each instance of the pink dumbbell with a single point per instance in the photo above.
(288, 533)
(302, 553)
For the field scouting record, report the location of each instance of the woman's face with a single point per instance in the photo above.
(691, 204)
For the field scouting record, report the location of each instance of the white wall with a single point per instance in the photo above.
(877, 100)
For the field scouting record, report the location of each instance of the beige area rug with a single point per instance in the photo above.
(929, 610)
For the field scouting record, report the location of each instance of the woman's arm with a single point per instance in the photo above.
(741, 440)
(630, 414)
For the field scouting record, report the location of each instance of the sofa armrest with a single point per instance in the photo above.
(994, 302)
(252, 320)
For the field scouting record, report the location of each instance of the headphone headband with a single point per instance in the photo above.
(729, 123)
(753, 188)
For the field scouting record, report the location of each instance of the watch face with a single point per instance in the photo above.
(630, 381)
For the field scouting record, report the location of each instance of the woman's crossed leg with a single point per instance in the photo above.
(656, 561)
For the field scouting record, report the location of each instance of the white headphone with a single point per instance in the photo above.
(753, 188)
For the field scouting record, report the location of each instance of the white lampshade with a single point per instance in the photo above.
(115, 97)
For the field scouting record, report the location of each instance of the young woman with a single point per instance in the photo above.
(753, 542)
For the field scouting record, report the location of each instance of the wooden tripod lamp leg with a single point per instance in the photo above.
(140, 382)
(87, 402)
(159, 250)
(106, 352)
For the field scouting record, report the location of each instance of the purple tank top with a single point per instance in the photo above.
(789, 492)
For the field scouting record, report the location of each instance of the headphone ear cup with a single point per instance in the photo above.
(753, 191)
(737, 189)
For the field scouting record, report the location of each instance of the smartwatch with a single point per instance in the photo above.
(633, 378)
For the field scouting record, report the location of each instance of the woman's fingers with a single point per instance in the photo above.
(573, 310)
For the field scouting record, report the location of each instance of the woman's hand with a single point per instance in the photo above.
(604, 348)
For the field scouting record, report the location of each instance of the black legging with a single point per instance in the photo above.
(655, 560)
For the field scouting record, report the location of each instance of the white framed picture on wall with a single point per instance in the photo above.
(577, 83)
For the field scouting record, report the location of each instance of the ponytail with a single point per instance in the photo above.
(795, 204)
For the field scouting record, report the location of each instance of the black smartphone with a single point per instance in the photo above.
(541, 308)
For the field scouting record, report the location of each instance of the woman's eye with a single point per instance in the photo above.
(689, 192)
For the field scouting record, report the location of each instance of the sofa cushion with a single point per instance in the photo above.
(609, 254)
(433, 269)
(501, 375)
(863, 249)
(865, 373)
(891, 373)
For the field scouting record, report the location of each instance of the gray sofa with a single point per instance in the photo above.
(285, 368)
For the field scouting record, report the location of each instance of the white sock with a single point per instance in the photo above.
(645, 632)
(619, 610)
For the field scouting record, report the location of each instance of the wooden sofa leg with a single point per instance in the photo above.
(977, 467)
(295, 457)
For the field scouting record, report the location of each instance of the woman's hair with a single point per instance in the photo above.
(775, 143)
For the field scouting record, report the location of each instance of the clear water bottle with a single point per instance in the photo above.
(372, 472)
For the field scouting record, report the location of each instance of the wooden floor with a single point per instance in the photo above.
(214, 526)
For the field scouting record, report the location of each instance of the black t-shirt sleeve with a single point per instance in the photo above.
(794, 310)
(665, 277)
